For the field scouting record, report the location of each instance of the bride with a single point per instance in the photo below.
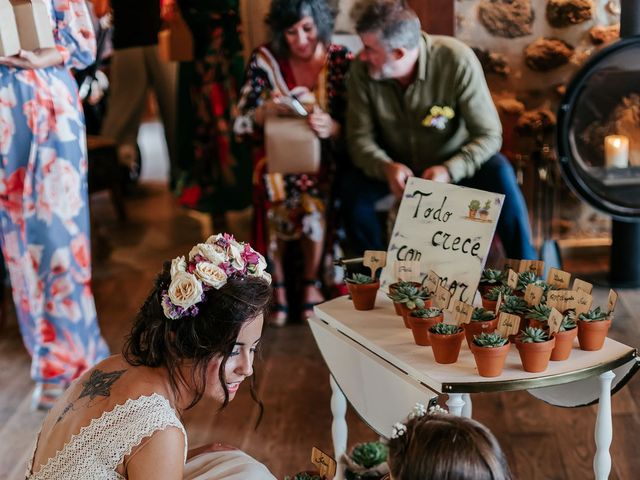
(194, 338)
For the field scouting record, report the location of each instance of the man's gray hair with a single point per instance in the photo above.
(396, 24)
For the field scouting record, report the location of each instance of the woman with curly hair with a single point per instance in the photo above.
(299, 60)
(194, 339)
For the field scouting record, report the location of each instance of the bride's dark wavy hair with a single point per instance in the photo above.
(156, 341)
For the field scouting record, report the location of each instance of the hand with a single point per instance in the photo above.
(437, 173)
(271, 107)
(31, 60)
(397, 175)
(322, 123)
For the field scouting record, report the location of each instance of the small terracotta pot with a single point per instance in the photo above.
(535, 356)
(446, 348)
(363, 296)
(564, 344)
(405, 314)
(489, 304)
(398, 308)
(420, 328)
(392, 287)
(490, 361)
(591, 335)
(534, 323)
(484, 288)
(476, 328)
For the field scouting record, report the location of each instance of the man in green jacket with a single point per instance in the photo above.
(419, 105)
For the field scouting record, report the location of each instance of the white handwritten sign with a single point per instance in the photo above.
(448, 229)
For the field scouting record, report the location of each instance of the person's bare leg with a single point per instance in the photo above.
(280, 310)
(312, 294)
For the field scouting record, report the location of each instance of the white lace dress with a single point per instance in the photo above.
(100, 447)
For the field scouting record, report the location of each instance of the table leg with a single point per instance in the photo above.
(604, 428)
(455, 403)
(339, 425)
(467, 409)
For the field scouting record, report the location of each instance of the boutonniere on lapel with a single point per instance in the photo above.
(438, 117)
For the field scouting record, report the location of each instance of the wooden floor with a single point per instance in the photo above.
(541, 441)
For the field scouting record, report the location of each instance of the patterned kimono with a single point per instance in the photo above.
(289, 207)
(44, 216)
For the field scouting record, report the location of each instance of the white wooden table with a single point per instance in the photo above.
(376, 365)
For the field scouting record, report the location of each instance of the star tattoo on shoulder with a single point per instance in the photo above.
(99, 384)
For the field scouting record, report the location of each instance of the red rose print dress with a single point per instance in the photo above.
(44, 216)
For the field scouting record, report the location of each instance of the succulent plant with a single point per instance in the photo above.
(410, 295)
(500, 289)
(360, 279)
(568, 321)
(526, 278)
(445, 329)
(514, 305)
(489, 340)
(539, 312)
(474, 205)
(369, 454)
(402, 284)
(491, 276)
(426, 312)
(594, 315)
(533, 335)
(481, 315)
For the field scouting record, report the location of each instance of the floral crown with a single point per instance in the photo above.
(419, 410)
(210, 266)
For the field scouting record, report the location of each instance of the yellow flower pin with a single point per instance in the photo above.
(438, 117)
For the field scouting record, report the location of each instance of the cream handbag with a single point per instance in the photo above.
(291, 146)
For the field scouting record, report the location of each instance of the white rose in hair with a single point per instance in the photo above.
(210, 274)
(185, 290)
(214, 238)
(236, 260)
(178, 264)
(210, 252)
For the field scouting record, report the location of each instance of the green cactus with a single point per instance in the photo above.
(445, 329)
(533, 335)
(360, 279)
(568, 321)
(474, 205)
(539, 312)
(481, 315)
(500, 289)
(489, 340)
(426, 312)
(369, 454)
(514, 305)
(594, 315)
(526, 278)
(492, 277)
(409, 295)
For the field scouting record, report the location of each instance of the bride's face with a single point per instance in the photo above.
(239, 364)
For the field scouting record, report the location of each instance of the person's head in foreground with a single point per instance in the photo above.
(203, 319)
(300, 27)
(390, 34)
(439, 446)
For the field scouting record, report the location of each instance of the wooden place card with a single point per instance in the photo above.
(407, 270)
(508, 324)
(498, 303)
(535, 266)
(582, 285)
(533, 294)
(583, 302)
(511, 263)
(554, 321)
(374, 259)
(433, 280)
(441, 298)
(611, 301)
(512, 278)
(558, 278)
(462, 312)
(325, 464)
(562, 300)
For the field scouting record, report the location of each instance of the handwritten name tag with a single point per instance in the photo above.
(433, 280)
(374, 259)
(612, 300)
(554, 321)
(533, 294)
(512, 279)
(462, 312)
(511, 263)
(558, 278)
(407, 270)
(325, 464)
(582, 285)
(442, 298)
(583, 302)
(536, 266)
(508, 324)
(562, 300)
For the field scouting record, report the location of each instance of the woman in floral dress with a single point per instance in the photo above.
(44, 216)
(299, 58)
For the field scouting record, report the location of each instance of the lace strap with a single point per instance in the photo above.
(109, 438)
